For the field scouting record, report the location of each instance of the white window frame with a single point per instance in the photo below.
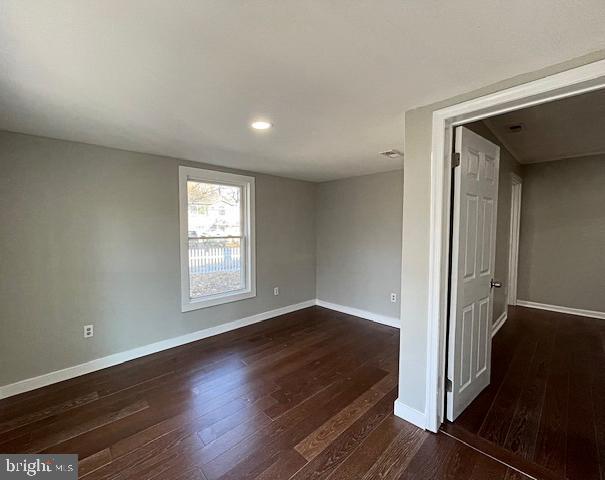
(248, 233)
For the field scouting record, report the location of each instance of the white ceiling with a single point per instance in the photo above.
(185, 78)
(568, 128)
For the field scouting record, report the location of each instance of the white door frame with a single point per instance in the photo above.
(513, 245)
(571, 82)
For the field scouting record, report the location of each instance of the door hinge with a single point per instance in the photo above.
(455, 159)
(448, 385)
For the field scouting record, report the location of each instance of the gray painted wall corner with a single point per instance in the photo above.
(90, 235)
(359, 242)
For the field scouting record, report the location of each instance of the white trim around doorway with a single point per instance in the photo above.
(571, 82)
(513, 245)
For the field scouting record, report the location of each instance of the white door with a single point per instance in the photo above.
(473, 257)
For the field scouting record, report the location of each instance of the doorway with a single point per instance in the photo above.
(572, 82)
(540, 408)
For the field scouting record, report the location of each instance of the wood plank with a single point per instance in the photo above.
(254, 455)
(557, 421)
(368, 451)
(232, 437)
(500, 453)
(62, 431)
(92, 462)
(496, 424)
(582, 460)
(598, 403)
(311, 378)
(426, 464)
(551, 441)
(313, 444)
(49, 411)
(149, 455)
(397, 455)
(345, 444)
(287, 464)
(486, 469)
(524, 423)
(210, 433)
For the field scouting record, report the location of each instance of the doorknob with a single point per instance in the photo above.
(494, 284)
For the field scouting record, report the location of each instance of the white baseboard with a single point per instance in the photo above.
(117, 358)
(499, 323)
(375, 317)
(560, 309)
(410, 414)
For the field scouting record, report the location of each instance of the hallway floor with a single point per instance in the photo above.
(546, 401)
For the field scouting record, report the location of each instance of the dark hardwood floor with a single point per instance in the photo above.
(546, 400)
(305, 395)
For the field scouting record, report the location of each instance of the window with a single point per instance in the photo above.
(217, 237)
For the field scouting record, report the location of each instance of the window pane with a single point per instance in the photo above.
(213, 210)
(217, 237)
(215, 266)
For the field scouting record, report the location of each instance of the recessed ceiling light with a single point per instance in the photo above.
(261, 125)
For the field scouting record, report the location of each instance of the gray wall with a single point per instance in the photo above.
(508, 165)
(562, 244)
(90, 235)
(416, 239)
(359, 242)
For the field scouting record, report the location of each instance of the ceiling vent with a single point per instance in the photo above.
(515, 128)
(392, 153)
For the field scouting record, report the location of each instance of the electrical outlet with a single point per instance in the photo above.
(393, 298)
(276, 291)
(89, 331)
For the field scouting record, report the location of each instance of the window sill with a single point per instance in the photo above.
(190, 305)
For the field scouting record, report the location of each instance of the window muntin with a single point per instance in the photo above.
(217, 237)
